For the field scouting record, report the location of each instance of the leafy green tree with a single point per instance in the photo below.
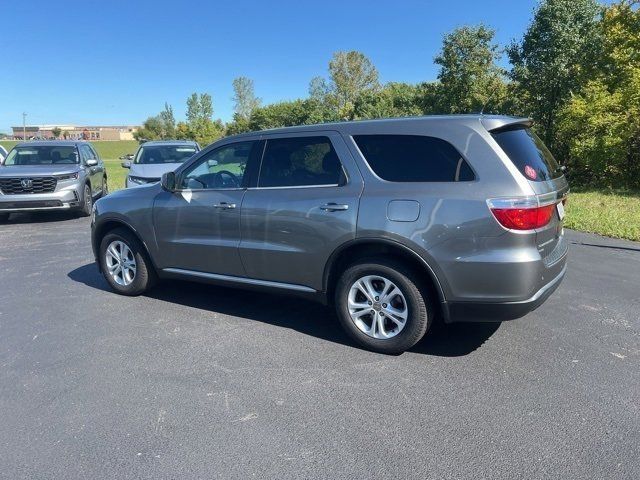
(554, 58)
(56, 131)
(200, 126)
(168, 122)
(245, 100)
(319, 89)
(199, 107)
(470, 79)
(351, 74)
(297, 112)
(600, 125)
(158, 127)
(152, 129)
(393, 100)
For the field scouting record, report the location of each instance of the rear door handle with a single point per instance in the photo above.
(225, 205)
(334, 207)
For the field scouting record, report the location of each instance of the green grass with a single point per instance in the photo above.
(8, 144)
(606, 212)
(116, 175)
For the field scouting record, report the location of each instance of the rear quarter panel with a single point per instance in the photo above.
(454, 223)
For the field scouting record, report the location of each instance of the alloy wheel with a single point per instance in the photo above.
(377, 307)
(120, 263)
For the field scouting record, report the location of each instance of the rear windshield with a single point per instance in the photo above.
(165, 154)
(528, 154)
(42, 155)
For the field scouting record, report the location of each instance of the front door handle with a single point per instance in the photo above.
(334, 207)
(225, 205)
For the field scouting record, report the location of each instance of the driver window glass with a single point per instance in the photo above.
(221, 168)
(86, 153)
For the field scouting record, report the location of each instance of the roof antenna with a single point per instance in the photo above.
(489, 98)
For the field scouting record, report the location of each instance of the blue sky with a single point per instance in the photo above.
(117, 62)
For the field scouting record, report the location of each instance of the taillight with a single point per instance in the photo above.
(523, 213)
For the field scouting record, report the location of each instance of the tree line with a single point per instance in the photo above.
(575, 71)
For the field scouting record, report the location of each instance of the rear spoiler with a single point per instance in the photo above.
(500, 124)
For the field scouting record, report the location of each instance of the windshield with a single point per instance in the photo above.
(528, 153)
(159, 154)
(42, 155)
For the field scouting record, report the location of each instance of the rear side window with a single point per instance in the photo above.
(528, 153)
(300, 161)
(413, 158)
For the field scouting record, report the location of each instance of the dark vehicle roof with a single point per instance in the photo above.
(52, 143)
(490, 122)
(155, 143)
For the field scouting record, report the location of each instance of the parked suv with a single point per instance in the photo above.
(51, 175)
(396, 222)
(157, 157)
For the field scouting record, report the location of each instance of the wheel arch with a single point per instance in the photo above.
(370, 247)
(111, 224)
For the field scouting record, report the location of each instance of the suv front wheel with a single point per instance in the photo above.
(125, 264)
(87, 201)
(381, 306)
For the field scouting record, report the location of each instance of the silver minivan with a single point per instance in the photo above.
(396, 222)
(155, 158)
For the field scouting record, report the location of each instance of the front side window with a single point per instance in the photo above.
(221, 168)
(158, 154)
(300, 161)
(413, 158)
(42, 155)
(87, 153)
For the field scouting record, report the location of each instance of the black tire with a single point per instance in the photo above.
(105, 188)
(87, 201)
(145, 275)
(4, 217)
(418, 305)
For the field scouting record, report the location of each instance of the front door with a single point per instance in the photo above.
(95, 172)
(304, 206)
(198, 226)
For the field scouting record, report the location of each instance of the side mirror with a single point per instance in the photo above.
(168, 181)
(126, 164)
(92, 162)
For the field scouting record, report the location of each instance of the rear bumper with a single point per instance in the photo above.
(498, 312)
(61, 200)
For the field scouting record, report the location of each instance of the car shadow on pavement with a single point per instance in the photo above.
(40, 217)
(305, 316)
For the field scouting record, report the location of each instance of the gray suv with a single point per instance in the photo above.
(395, 222)
(51, 175)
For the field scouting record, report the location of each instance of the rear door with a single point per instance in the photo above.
(532, 158)
(303, 205)
(198, 226)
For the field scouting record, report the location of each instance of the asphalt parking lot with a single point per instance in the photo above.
(207, 382)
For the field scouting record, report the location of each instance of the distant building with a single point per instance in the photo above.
(75, 132)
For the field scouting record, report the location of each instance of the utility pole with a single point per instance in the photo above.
(24, 126)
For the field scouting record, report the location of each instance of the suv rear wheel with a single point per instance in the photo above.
(125, 264)
(381, 306)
